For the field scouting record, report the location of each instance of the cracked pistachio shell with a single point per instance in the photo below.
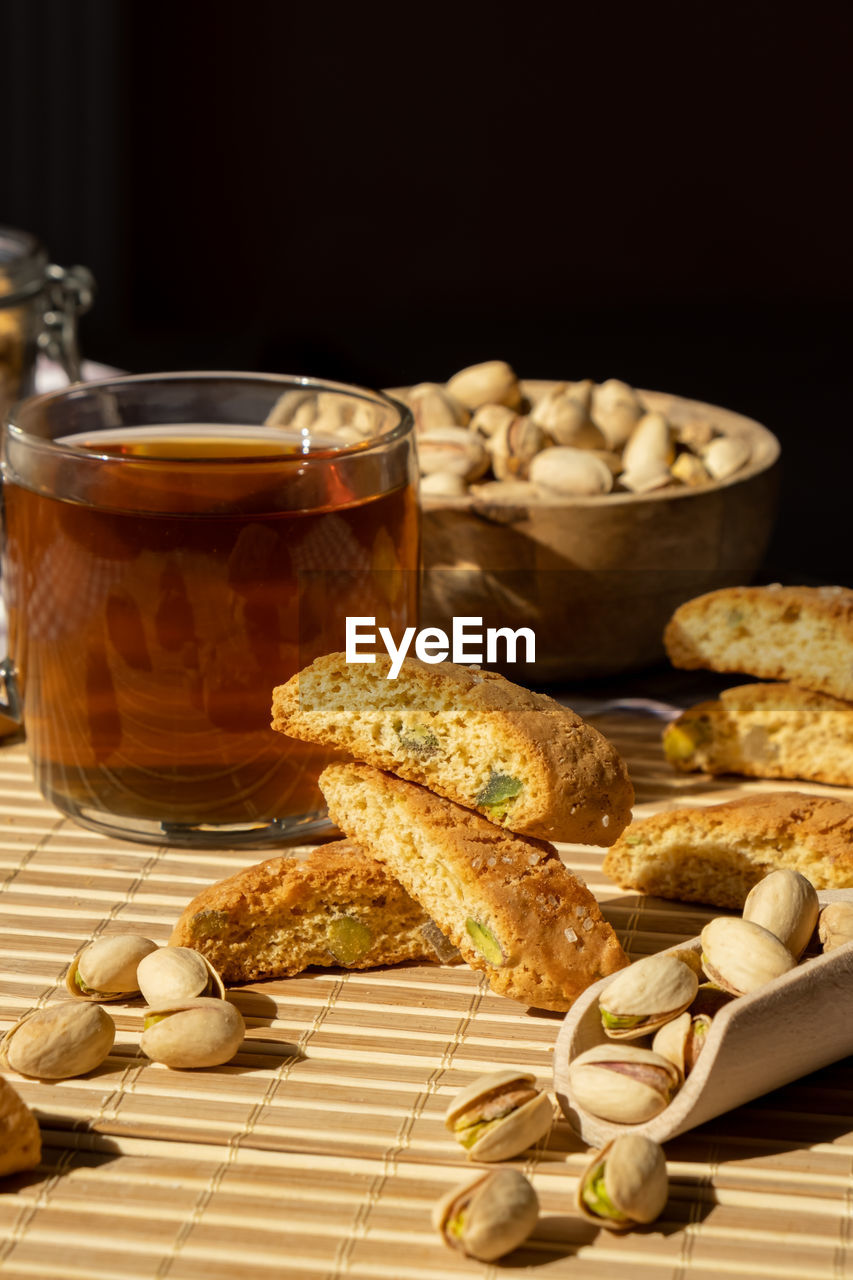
(645, 995)
(492, 382)
(567, 471)
(488, 1217)
(835, 925)
(740, 956)
(499, 1115)
(106, 968)
(59, 1042)
(616, 409)
(433, 407)
(625, 1183)
(564, 413)
(453, 449)
(784, 902)
(622, 1083)
(650, 445)
(514, 445)
(726, 455)
(443, 484)
(489, 418)
(682, 1040)
(172, 974)
(646, 479)
(195, 1033)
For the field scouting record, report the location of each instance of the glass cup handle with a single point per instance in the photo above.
(10, 695)
(70, 292)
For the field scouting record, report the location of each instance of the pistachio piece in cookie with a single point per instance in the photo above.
(485, 942)
(349, 939)
(498, 794)
(418, 739)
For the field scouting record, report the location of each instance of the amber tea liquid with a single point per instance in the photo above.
(151, 615)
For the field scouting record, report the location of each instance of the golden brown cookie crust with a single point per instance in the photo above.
(576, 786)
(20, 1137)
(798, 634)
(272, 919)
(552, 936)
(716, 853)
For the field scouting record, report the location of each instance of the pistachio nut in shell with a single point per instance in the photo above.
(835, 925)
(682, 1040)
(513, 447)
(647, 994)
(564, 414)
(443, 484)
(740, 956)
(59, 1042)
(20, 1136)
(622, 1083)
(106, 968)
(432, 407)
(646, 479)
(172, 974)
(499, 1115)
(488, 1217)
(454, 449)
(196, 1033)
(784, 902)
(616, 409)
(489, 418)
(625, 1183)
(492, 382)
(567, 471)
(726, 455)
(650, 445)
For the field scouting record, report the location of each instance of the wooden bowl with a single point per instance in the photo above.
(597, 578)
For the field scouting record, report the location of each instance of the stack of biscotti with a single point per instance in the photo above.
(459, 780)
(799, 726)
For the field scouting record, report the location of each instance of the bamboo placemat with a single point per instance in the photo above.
(320, 1150)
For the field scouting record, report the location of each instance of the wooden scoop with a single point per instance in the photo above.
(786, 1029)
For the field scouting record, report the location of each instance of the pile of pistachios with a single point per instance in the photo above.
(479, 435)
(501, 1115)
(189, 1023)
(672, 998)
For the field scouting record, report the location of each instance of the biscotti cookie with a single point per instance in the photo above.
(766, 731)
(716, 853)
(506, 901)
(801, 634)
(519, 758)
(335, 907)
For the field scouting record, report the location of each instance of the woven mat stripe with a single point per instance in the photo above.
(413, 1255)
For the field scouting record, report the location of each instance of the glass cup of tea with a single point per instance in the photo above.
(174, 547)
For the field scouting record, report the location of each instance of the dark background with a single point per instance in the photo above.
(658, 192)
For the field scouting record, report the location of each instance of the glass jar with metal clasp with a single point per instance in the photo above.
(39, 306)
